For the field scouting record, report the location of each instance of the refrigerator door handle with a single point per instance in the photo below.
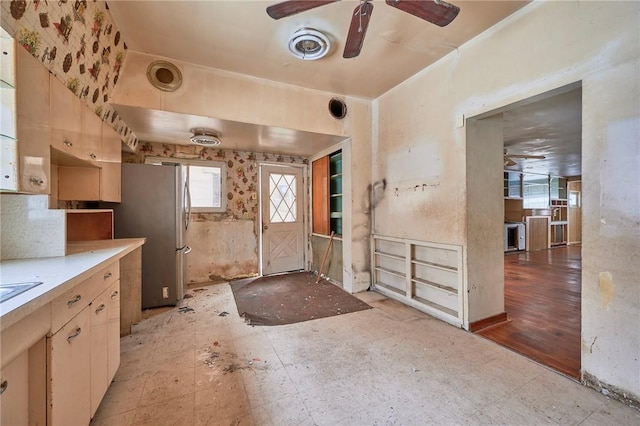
(187, 201)
(185, 248)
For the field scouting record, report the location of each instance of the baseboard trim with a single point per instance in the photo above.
(487, 322)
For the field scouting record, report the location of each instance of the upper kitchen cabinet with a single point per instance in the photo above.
(8, 135)
(101, 183)
(558, 188)
(111, 170)
(512, 185)
(26, 160)
(75, 129)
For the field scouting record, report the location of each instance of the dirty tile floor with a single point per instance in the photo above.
(390, 365)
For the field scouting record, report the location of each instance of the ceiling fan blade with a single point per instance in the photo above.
(288, 8)
(437, 12)
(531, 157)
(509, 162)
(357, 30)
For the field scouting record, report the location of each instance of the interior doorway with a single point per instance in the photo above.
(542, 274)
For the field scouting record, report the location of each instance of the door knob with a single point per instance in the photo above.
(265, 227)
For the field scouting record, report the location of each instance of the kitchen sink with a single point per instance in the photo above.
(7, 291)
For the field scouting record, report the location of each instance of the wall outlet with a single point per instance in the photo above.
(165, 292)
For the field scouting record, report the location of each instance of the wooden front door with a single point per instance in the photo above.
(282, 219)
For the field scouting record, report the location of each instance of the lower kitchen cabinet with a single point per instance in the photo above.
(105, 342)
(99, 349)
(83, 356)
(69, 372)
(14, 391)
(113, 330)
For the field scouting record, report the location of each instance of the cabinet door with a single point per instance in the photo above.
(99, 310)
(110, 182)
(35, 158)
(91, 135)
(66, 108)
(66, 120)
(111, 145)
(78, 183)
(320, 195)
(33, 131)
(33, 92)
(69, 372)
(14, 391)
(113, 329)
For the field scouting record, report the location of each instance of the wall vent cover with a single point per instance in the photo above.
(164, 76)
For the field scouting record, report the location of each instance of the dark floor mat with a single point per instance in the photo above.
(291, 298)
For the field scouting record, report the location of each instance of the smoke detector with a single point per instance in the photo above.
(205, 137)
(309, 44)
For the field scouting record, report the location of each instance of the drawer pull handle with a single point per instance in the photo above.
(36, 180)
(114, 294)
(100, 308)
(74, 335)
(74, 300)
(108, 275)
(3, 386)
(93, 156)
(68, 143)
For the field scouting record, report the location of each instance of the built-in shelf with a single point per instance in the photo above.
(335, 192)
(389, 271)
(435, 285)
(426, 276)
(389, 255)
(89, 224)
(434, 265)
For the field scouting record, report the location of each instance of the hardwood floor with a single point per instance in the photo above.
(542, 300)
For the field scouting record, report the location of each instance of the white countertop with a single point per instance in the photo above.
(57, 274)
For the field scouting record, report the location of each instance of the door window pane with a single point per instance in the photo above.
(282, 198)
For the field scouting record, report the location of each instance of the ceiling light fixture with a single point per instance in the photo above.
(205, 137)
(309, 44)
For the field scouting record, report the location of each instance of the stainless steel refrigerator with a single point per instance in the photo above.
(154, 206)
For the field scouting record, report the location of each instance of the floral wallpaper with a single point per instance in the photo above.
(242, 170)
(79, 43)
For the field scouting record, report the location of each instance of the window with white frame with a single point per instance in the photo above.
(206, 186)
(206, 182)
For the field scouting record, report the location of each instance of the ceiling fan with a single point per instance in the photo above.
(437, 12)
(509, 158)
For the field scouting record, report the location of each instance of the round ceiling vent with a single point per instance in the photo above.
(164, 76)
(205, 137)
(309, 44)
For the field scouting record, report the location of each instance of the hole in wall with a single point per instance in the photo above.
(337, 108)
(164, 75)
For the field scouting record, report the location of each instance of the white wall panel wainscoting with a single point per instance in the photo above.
(426, 276)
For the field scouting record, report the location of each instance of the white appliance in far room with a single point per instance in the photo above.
(514, 236)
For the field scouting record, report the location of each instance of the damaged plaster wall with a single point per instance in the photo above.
(230, 96)
(544, 46)
(224, 245)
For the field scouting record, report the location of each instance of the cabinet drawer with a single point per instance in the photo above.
(103, 279)
(65, 307)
